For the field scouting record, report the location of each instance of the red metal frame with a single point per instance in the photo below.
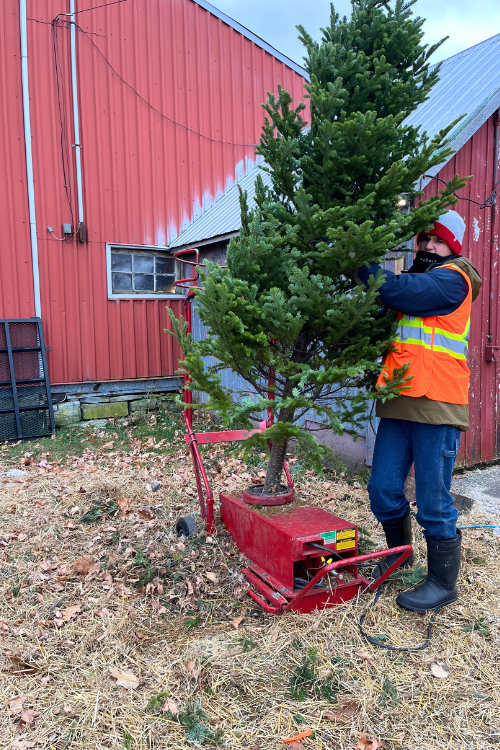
(278, 543)
(341, 593)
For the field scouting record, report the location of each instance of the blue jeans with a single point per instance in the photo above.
(433, 450)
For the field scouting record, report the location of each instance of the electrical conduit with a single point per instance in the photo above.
(29, 155)
(76, 119)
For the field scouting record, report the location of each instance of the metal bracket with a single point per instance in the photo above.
(492, 353)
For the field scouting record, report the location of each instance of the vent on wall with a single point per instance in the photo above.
(25, 402)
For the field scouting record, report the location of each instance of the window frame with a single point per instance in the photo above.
(156, 249)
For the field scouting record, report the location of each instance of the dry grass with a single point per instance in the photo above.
(149, 608)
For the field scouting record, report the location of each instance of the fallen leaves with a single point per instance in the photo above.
(146, 514)
(343, 712)
(440, 670)
(67, 614)
(21, 743)
(124, 678)
(16, 708)
(124, 503)
(170, 707)
(16, 704)
(117, 624)
(27, 716)
(367, 744)
(20, 664)
(71, 612)
(362, 653)
(237, 621)
(64, 572)
(87, 564)
(191, 669)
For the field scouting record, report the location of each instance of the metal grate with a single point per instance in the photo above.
(25, 401)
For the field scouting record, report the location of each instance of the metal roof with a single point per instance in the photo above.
(224, 217)
(469, 85)
(253, 37)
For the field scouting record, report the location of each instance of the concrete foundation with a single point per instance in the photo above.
(67, 413)
(88, 408)
(104, 411)
(145, 404)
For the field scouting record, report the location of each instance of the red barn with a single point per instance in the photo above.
(122, 123)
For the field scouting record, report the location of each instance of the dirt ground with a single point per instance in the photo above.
(115, 633)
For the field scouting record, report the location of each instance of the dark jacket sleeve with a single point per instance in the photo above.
(438, 292)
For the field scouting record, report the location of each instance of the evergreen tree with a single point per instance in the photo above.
(285, 314)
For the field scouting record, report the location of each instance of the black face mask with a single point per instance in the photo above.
(424, 260)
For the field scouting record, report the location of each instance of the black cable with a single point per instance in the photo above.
(330, 551)
(376, 642)
(299, 583)
(62, 120)
(490, 202)
(50, 23)
(84, 10)
(37, 20)
(370, 417)
(158, 112)
(339, 557)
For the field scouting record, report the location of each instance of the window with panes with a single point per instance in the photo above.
(142, 272)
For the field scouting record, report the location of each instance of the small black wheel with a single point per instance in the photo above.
(186, 526)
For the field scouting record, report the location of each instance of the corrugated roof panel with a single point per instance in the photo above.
(468, 80)
(224, 217)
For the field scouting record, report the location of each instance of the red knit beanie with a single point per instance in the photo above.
(450, 228)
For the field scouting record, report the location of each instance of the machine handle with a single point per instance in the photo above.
(185, 283)
(404, 552)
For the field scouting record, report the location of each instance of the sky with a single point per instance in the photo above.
(466, 22)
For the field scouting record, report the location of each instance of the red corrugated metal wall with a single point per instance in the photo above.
(481, 244)
(144, 178)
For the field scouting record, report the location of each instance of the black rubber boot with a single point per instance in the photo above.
(440, 586)
(397, 532)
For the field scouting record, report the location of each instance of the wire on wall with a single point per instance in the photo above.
(490, 202)
(58, 21)
(85, 10)
(61, 97)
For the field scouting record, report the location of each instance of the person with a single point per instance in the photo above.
(423, 425)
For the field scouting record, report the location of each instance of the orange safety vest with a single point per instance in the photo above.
(436, 349)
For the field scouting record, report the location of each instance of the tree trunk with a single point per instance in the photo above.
(275, 469)
(277, 458)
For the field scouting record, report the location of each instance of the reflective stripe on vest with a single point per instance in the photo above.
(412, 330)
(435, 350)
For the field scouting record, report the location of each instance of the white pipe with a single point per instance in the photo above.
(76, 121)
(29, 156)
